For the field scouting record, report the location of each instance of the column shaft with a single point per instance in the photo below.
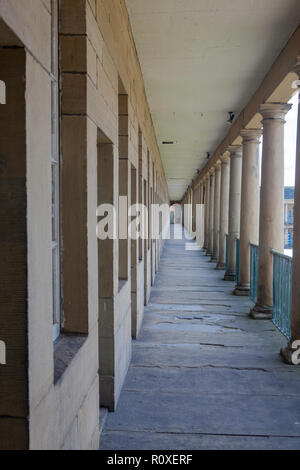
(224, 210)
(215, 253)
(234, 208)
(271, 232)
(190, 211)
(211, 214)
(206, 222)
(249, 205)
(201, 202)
(194, 202)
(295, 312)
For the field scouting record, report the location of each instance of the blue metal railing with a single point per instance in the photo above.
(282, 292)
(253, 271)
(226, 255)
(289, 220)
(237, 260)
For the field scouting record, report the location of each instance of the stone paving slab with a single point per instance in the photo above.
(256, 415)
(138, 440)
(195, 355)
(207, 336)
(204, 375)
(206, 379)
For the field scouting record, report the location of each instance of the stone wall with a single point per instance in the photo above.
(50, 393)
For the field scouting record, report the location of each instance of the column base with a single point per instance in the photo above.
(214, 259)
(229, 277)
(242, 291)
(287, 354)
(208, 253)
(261, 312)
(220, 266)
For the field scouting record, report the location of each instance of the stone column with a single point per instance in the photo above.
(234, 208)
(197, 220)
(202, 221)
(211, 213)
(215, 253)
(224, 209)
(194, 202)
(202, 192)
(206, 213)
(189, 212)
(271, 231)
(249, 227)
(295, 311)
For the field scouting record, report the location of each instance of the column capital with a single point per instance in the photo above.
(274, 111)
(251, 135)
(218, 165)
(296, 67)
(235, 150)
(225, 158)
(211, 171)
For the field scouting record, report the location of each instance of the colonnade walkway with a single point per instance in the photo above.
(204, 375)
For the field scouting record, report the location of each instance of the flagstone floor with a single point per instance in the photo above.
(204, 375)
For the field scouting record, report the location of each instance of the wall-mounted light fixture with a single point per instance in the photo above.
(231, 117)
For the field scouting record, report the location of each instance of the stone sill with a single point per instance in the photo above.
(65, 349)
(122, 284)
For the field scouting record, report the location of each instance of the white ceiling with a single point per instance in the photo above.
(201, 59)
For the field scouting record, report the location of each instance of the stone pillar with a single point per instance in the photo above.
(211, 213)
(224, 209)
(234, 208)
(191, 212)
(188, 211)
(295, 311)
(206, 213)
(194, 202)
(197, 220)
(202, 220)
(271, 231)
(215, 253)
(249, 228)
